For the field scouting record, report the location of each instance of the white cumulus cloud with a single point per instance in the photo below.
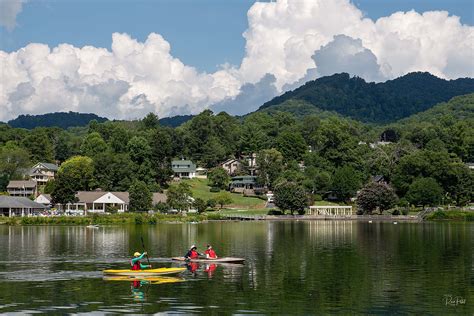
(287, 43)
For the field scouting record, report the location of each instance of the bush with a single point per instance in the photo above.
(396, 212)
(215, 189)
(161, 207)
(274, 212)
(211, 203)
(139, 219)
(405, 211)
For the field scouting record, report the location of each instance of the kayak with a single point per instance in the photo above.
(146, 272)
(93, 226)
(218, 260)
(149, 279)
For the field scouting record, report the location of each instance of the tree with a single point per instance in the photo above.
(346, 182)
(291, 144)
(39, 145)
(13, 160)
(93, 144)
(179, 196)
(150, 121)
(270, 165)
(290, 196)
(376, 195)
(79, 172)
(63, 190)
(219, 178)
(139, 149)
(113, 172)
(140, 197)
(161, 155)
(424, 191)
(223, 198)
(213, 152)
(200, 205)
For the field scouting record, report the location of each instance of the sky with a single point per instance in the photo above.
(123, 59)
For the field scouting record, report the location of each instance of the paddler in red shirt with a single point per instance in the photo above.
(192, 253)
(210, 253)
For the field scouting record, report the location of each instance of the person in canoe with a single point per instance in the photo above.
(210, 253)
(135, 262)
(192, 253)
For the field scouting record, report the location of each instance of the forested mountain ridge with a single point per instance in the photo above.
(370, 102)
(59, 119)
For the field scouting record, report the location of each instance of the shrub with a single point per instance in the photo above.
(215, 189)
(317, 197)
(405, 211)
(274, 212)
(396, 212)
(139, 219)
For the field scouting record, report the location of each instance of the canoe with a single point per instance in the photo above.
(93, 226)
(145, 272)
(148, 279)
(218, 260)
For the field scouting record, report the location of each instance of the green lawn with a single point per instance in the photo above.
(201, 190)
(236, 212)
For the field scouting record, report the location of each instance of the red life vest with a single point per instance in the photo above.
(194, 254)
(135, 266)
(211, 253)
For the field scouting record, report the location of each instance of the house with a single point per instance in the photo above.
(102, 201)
(231, 166)
(44, 199)
(241, 183)
(22, 188)
(42, 172)
(18, 206)
(380, 179)
(183, 169)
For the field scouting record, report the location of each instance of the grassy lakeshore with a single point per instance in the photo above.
(126, 218)
(454, 215)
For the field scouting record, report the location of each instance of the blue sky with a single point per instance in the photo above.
(123, 59)
(204, 33)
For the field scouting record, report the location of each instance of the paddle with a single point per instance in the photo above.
(143, 245)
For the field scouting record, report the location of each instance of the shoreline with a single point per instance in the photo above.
(152, 219)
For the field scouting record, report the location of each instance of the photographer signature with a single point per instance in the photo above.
(451, 300)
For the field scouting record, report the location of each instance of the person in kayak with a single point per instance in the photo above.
(135, 262)
(210, 253)
(192, 253)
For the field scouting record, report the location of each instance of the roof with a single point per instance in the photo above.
(91, 196)
(49, 166)
(18, 202)
(21, 184)
(182, 162)
(231, 160)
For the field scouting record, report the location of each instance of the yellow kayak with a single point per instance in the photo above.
(149, 279)
(145, 272)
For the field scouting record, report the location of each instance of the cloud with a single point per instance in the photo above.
(250, 98)
(345, 54)
(287, 43)
(9, 9)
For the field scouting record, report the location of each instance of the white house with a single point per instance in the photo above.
(100, 202)
(42, 172)
(44, 199)
(183, 169)
(231, 166)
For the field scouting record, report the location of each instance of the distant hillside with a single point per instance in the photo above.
(59, 119)
(175, 121)
(460, 108)
(370, 102)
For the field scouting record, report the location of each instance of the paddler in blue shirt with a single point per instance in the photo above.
(135, 262)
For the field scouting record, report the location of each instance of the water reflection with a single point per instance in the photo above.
(304, 267)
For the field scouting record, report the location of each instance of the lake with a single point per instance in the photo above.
(292, 267)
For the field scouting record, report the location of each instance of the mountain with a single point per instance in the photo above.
(59, 119)
(370, 102)
(460, 108)
(175, 121)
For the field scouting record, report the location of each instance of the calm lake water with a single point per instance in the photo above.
(303, 267)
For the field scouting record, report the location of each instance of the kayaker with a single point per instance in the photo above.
(192, 253)
(210, 253)
(135, 262)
